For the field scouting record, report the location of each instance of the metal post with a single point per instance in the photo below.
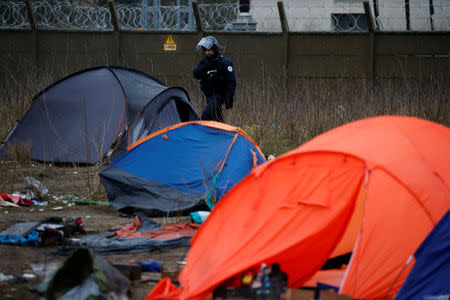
(285, 28)
(115, 19)
(191, 15)
(116, 33)
(371, 46)
(283, 19)
(31, 15)
(156, 13)
(144, 16)
(34, 38)
(431, 15)
(408, 23)
(376, 14)
(197, 16)
(369, 16)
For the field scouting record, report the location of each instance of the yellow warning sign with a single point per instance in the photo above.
(170, 45)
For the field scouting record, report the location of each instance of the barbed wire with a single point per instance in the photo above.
(64, 14)
(56, 14)
(13, 15)
(218, 17)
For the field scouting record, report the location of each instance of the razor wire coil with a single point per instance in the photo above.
(310, 16)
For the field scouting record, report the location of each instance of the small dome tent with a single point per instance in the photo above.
(429, 278)
(174, 169)
(80, 117)
(374, 188)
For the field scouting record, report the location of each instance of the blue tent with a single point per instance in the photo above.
(180, 168)
(430, 276)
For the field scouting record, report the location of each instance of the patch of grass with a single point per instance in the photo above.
(20, 153)
(281, 117)
(279, 114)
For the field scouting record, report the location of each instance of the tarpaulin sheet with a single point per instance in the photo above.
(141, 236)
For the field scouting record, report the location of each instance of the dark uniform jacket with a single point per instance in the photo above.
(217, 76)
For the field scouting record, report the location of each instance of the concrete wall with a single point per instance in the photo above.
(255, 55)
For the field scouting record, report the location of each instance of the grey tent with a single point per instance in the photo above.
(83, 117)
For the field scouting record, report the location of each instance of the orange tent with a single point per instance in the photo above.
(374, 187)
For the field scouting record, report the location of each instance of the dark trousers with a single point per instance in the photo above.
(213, 109)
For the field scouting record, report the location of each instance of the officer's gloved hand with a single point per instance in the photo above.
(213, 63)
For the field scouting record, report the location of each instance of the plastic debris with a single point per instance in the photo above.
(36, 189)
(4, 277)
(151, 266)
(199, 216)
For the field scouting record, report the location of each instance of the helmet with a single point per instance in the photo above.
(208, 42)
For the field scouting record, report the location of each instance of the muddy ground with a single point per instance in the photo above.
(65, 184)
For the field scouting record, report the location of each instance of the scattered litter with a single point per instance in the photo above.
(60, 232)
(7, 203)
(41, 209)
(4, 277)
(6, 212)
(199, 216)
(48, 231)
(27, 240)
(181, 262)
(86, 202)
(18, 279)
(151, 266)
(28, 276)
(16, 199)
(44, 269)
(96, 278)
(271, 156)
(58, 208)
(267, 283)
(144, 235)
(36, 189)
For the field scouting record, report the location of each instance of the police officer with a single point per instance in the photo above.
(217, 79)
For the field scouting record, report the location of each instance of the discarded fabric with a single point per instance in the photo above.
(140, 236)
(151, 266)
(11, 239)
(85, 276)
